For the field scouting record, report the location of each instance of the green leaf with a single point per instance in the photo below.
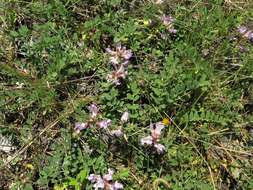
(83, 174)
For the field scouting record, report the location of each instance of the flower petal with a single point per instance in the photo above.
(147, 140)
(117, 133)
(156, 129)
(117, 186)
(160, 148)
(115, 76)
(242, 29)
(246, 33)
(114, 60)
(125, 117)
(99, 184)
(127, 54)
(109, 50)
(108, 176)
(80, 126)
(167, 20)
(119, 55)
(121, 72)
(172, 31)
(93, 110)
(104, 123)
(93, 178)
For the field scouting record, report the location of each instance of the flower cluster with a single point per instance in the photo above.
(94, 110)
(245, 32)
(153, 139)
(105, 181)
(102, 124)
(119, 58)
(116, 76)
(168, 23)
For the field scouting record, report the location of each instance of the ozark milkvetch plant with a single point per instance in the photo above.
(102, 124)
(105, 182)
(120, 55)
(116, 76)
(119, 59)
(153, 139)
(93, 121)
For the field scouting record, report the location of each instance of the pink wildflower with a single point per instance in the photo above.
(173, 30)
(156, 130)
(147, 140)
(125, 117)
(168, 22)
(154, 138)
(246, 33)
(159, 148)
(105, 182)
(104, 124)
(117, 132)
(93, 110)
(93, 120)
(80, 126)
(117, 75)
(120, 55)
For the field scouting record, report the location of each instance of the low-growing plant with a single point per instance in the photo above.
(126, 94)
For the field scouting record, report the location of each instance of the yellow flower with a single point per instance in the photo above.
(146, 22)
(166, 121)
(29, 166)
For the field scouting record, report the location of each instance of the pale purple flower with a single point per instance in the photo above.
(173, 30)
(105, 182)
(153, 139)
(243, 49)
(108, 176)
(117, 186)
(245, 32)
(159, 148)
(80, 126)
(104, 124)
(125, 117)
(167, 20)
(93, 120)
(156, 129)
(119, 55)
(114, 60)
(242, 29)
(115, 76)
(93, 110)
(117, 133)
(147, 140)
(93, 178)
(100, 184)
(98, 181)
